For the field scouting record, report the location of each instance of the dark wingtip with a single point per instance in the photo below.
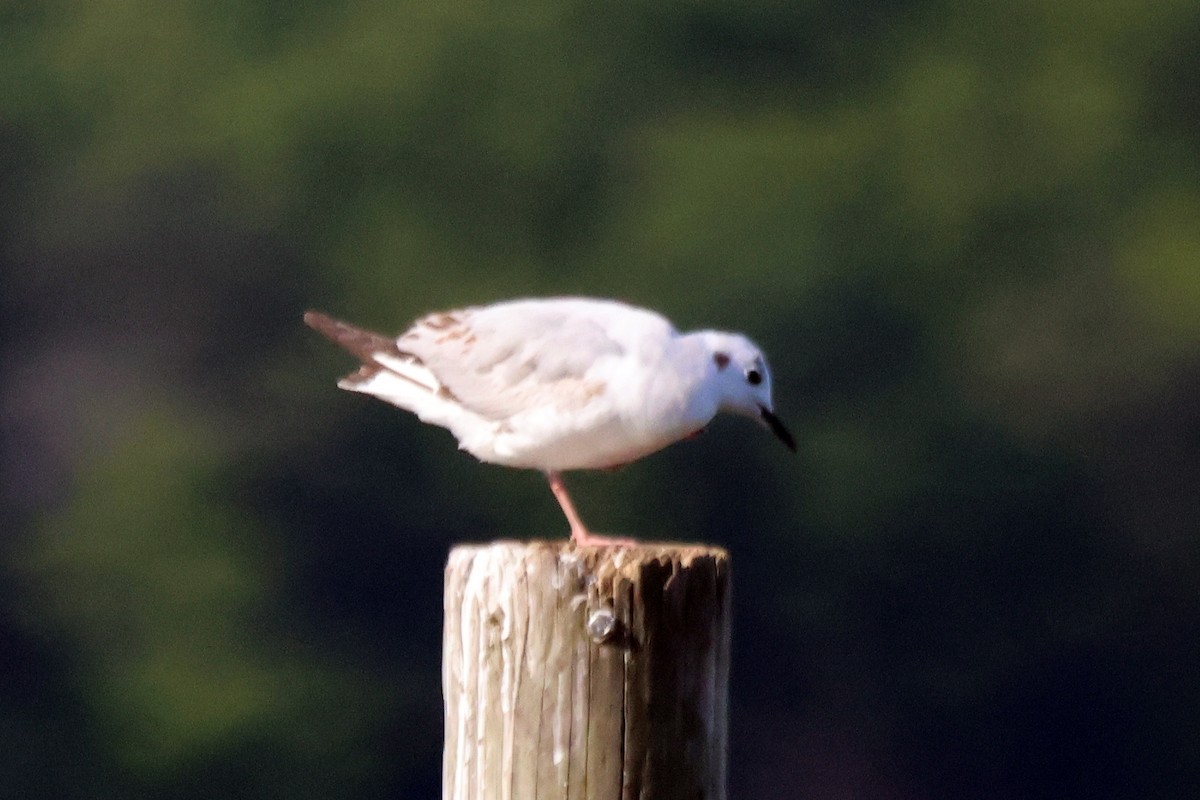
(320, 322)
(362, 343)
(778, 428)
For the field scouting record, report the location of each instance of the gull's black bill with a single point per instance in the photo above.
(778, 429)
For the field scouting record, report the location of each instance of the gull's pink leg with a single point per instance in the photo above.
(579, 531)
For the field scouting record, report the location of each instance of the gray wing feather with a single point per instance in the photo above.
(499, 361)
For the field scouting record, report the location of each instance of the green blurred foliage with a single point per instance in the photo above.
(967, 235)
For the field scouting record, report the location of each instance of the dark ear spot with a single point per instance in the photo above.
(721, 360)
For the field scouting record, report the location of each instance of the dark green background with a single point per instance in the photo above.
(967, 235)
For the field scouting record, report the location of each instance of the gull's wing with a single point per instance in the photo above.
(501, 360)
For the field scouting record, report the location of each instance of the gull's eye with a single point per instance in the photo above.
(753, 377)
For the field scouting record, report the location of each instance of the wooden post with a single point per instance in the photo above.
(585, 673)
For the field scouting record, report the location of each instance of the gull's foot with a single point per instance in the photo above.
(582, 538)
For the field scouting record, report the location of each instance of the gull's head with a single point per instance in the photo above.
(740, 372)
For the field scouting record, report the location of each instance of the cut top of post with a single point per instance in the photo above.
(596, 673)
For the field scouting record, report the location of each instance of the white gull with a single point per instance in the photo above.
(560, 383)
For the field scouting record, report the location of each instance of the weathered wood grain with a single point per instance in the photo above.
(585, 673)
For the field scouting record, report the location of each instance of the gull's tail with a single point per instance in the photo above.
(387, 372)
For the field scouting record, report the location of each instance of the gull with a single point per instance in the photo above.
(557, 384)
